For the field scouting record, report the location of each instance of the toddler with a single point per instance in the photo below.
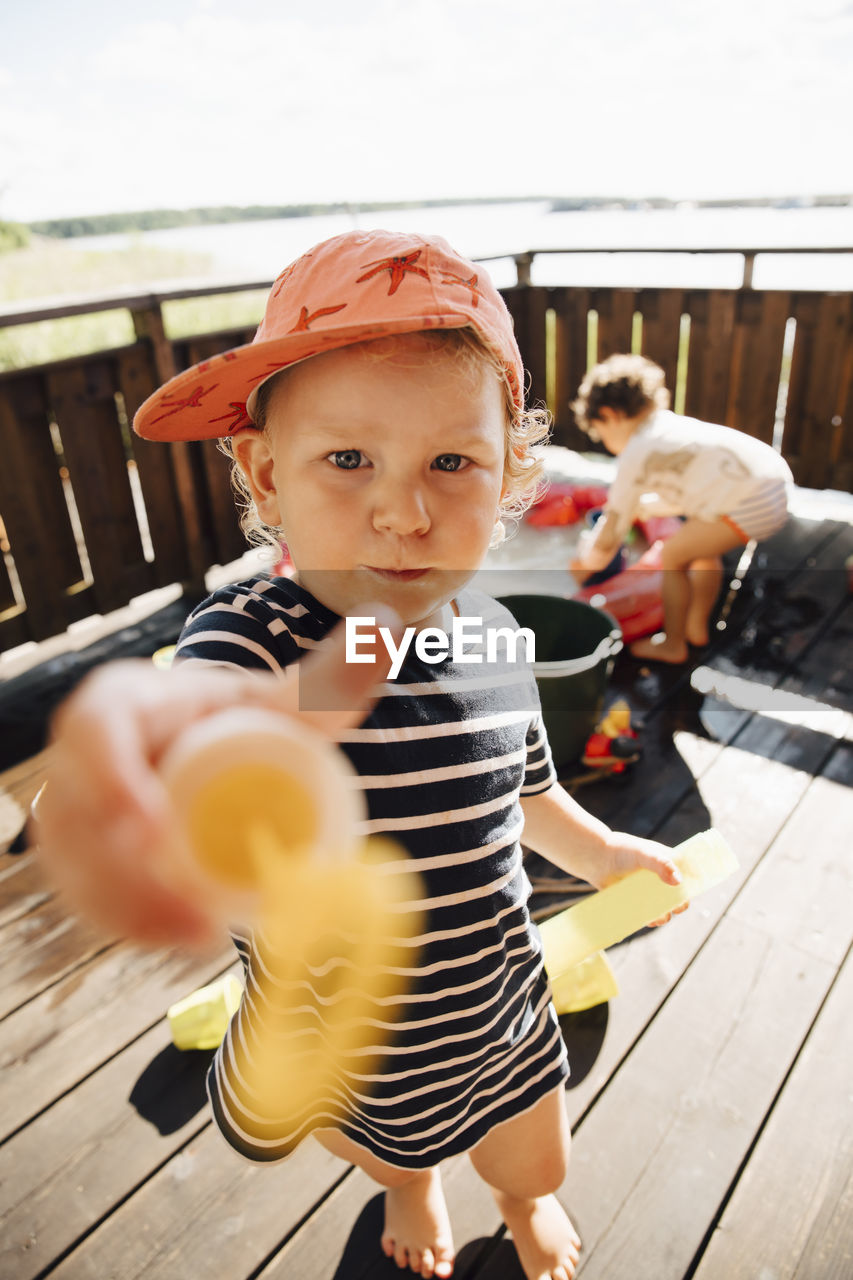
(730, 487)
(377, 425)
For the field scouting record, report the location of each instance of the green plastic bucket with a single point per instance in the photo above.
(575, 647)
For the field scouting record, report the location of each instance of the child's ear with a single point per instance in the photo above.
(255, 459)
(609, 415)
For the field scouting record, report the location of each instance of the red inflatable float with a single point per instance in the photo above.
(633, 594)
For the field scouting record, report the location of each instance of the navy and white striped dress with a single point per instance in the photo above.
(444, 757)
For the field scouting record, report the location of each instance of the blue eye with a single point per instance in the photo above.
(347, 459)
(448, 462)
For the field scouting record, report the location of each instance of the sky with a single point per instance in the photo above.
(179, 103)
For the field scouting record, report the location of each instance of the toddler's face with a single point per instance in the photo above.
(384, 469)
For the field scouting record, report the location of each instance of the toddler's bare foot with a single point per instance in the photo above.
(660, 648)
(546, 1242)
(417, 1231)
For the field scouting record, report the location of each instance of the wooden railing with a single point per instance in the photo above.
(92, 516)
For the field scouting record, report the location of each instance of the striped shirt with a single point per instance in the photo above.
(443, 759)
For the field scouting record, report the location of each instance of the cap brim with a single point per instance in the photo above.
(208, 400)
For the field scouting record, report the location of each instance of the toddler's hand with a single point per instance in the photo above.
(579, 570)
(104, 814)
(626, 853)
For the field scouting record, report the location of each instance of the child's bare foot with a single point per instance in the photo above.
(545, 1240)
(660, 648)
(417, 1231)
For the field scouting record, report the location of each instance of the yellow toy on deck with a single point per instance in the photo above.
(575, 939)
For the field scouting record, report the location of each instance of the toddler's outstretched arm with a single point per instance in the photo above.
(104, 813)
(556, 826)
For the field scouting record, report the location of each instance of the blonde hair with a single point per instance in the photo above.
(629, 384)
(525, 430)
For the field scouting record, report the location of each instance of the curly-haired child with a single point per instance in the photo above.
(730, 487)
(378, 425)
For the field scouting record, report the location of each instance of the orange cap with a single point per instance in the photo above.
(352, 288)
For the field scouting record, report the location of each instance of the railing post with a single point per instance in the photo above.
(748, 265)
(148, 325)
(523, 263)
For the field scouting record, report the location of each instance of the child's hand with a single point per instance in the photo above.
(579, 570)
(627, 853)
(105, 814)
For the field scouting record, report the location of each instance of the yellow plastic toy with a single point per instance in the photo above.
(200, 1020)
(574, 939)
(266, 834)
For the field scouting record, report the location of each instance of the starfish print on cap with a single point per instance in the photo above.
(238, 415)
(398, 266)
(282, 279)
(307, 318)
(470, 283)
(192, 401)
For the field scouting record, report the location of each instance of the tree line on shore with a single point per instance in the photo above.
(15, 235)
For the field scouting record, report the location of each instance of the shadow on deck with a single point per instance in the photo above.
(710, 1102)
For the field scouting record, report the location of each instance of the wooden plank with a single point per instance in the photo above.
(535, 356)
(84, 402)
(18, 789)
(24, 780)
(709, 359)
(571, 310)
(23, 889)
(842, 444)
(527, 305)
(41, 946)
(68, 1030)
(675, 1135)
(661, 310)
(815, 393)
(730, 1031)
(615, 309)
(34, 511)
(207, 1212)
(228, 538)
(515, 302)
(37, 466)
(791, 1214)
(82, 1156)
(8, 599)
(757, 361)
(156, 476)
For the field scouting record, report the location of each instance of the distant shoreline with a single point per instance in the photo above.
(163, 219)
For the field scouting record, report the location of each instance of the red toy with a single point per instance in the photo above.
(614, 743)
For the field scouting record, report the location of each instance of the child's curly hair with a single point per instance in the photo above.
(632, 385)
(523, 461)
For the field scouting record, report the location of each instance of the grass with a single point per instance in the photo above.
(47, 270)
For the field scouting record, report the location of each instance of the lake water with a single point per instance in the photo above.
(258, 250)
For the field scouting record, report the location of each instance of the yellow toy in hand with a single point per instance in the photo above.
(604, 918)
(267, 816)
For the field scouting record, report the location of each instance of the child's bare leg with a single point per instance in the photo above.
(417, 1231)
(524, 1161)
(696, 541)
(705, 577)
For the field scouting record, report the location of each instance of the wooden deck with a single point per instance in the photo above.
(710, 1102)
